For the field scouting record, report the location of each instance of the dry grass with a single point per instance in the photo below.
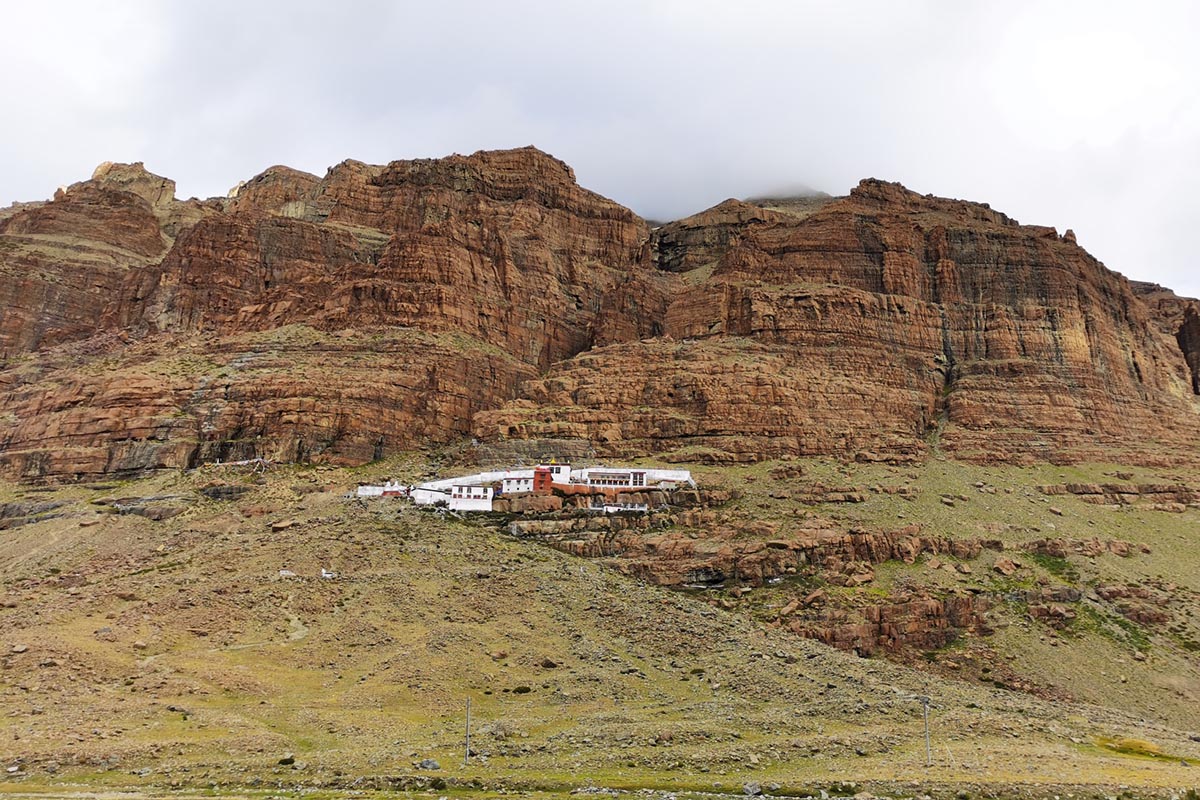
(652, 689)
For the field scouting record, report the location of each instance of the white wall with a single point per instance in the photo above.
(653, 476)
(560, 473)
(432, 491)
(470, 498)
(470, 504)
(512, 485)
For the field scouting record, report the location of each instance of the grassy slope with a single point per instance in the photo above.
(125, 619)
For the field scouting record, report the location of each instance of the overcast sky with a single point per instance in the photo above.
(1082, 115)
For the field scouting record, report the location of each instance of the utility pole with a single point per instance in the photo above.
(925, 712)
(467, 748)
(925, 702)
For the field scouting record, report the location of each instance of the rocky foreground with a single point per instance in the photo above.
(379, 308)
(175, 633)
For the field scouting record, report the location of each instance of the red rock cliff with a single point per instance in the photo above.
(384, 307)
(876, 326)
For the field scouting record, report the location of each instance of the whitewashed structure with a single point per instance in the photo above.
(431, 492)
(476, 492)
(387, 489)
(517, 485)
(612, 508)
(632, 477)
(469, 497)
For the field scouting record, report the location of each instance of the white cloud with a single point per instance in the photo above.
(1076, 114)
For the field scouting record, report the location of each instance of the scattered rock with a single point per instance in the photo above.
(791, 607)
(224, 491)
(1005, 566)
(428, 764)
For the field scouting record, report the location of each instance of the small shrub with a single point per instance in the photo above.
(1133, 747)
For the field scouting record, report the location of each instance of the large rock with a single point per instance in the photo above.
(503, 246)
(290, 395)
(63, 261)
(878, 324)
(385, 307)
(392, 303)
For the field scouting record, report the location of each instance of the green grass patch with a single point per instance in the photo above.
(1055, 565)
(1114, 627)
(1139, 748)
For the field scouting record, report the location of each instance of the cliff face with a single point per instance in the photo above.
(1178, 317)
(422, 301)
(292, 394)
(63, 261)
(503, 247)
(470, 273)
(880, 325)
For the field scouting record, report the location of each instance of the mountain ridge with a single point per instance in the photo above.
(881, 325)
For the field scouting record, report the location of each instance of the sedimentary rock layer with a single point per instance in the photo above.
(882, 325)
(877, 326)
(293, 394)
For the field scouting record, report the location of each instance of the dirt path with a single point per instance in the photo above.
(297, 630)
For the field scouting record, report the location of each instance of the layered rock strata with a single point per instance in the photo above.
(291, 395)
(398, 301)
(880, 326)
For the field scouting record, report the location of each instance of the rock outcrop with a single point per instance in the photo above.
(397, 301)
(912, 621)
(704, 547)
(1188, 337)
(518, 306)
(290, 395)
(880, 325)
(65, 260)
(503, 247)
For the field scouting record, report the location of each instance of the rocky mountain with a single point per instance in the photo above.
(923, 434)
(382, 308)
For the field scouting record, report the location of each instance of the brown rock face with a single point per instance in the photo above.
(501, 259)
(1189, 342)
(277, 190)
(876, 326)
(517, 306)
(916, 622)
(701, 240)
(1178, 317)
(503, 247)
(63, 261)
(293, 394)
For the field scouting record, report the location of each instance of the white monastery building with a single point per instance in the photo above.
(476, 492)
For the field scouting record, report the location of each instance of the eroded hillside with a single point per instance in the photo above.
(382, 308)
(176, 632)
